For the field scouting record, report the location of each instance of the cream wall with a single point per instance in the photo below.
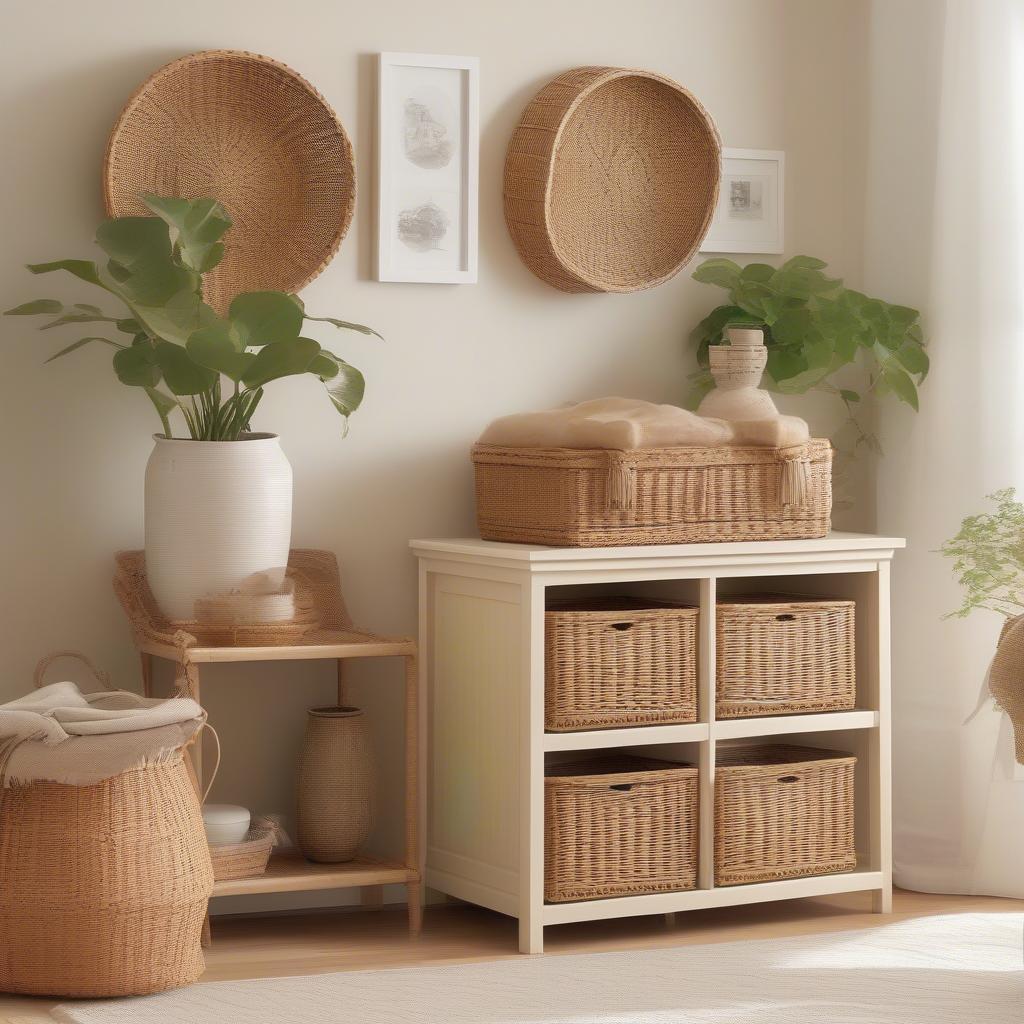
(775, 75)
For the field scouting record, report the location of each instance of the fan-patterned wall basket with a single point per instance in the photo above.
(250, 132)
(611, 180)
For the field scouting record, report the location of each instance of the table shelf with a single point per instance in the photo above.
(289, 872)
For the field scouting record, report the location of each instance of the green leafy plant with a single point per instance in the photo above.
(173, 346)
(988, 557)
(814, 327)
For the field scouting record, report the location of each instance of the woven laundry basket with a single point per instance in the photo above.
(611, 180)
(782, 812)
(783, 655)
(594, 497)
(616, 662)
(619, 825)
(105, 887)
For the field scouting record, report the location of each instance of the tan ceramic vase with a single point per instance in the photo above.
(336, 785)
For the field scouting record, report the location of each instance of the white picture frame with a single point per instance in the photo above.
(751, 213)
(428, 150)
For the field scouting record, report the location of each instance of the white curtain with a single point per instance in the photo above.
(945, 231)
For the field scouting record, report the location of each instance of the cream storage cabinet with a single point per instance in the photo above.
(482, 607)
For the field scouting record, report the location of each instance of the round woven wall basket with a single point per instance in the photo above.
(611, 180)
(250, 132)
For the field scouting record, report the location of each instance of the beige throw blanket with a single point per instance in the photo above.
(59, 734)
(624, 424)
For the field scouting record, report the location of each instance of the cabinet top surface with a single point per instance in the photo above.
(487, 550)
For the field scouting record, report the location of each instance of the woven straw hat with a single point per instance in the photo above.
(250, 132)
(611, 180)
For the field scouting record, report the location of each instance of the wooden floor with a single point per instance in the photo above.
(313, 943)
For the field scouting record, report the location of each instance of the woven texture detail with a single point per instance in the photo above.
(104, 887)
(1006, 679)
(776, 655)
(611, 180)
(617, 662)
(335, 785)
(251, 133)
(246, 859)
(617, 826)
(592, 498)
(782, 812)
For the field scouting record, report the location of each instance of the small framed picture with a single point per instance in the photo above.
(428, 138)
(750, 216)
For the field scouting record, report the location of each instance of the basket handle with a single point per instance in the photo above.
(621, 787)
(198, 738)
(787, 779)
(621, 627)
(785, 617)
(44, 663)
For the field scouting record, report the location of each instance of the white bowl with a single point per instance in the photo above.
(225, 824)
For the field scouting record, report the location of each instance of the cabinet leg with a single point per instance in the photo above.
(670, 921)
(196, 750)
(531, 936)
(414, 896)
(881, 900)
(206, 939)
(372, 896)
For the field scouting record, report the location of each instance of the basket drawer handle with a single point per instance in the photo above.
(785, 617)
(622, 787)
(622, 626)
(787, 779)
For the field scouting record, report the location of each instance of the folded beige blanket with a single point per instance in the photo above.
(59, 734)
(627, 423)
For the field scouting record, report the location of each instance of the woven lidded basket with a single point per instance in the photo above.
(782, 812)
(592, 498)
(611, 180)
(251, 133)
(616, 662)
(619, 825)
(104, 888)
(779, 655)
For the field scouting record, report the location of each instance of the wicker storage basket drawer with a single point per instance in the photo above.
(618, 826)
(779, 655)
(617, 662)
(589, 498)
(782, 812)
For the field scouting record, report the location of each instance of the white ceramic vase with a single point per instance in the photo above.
(218, 516)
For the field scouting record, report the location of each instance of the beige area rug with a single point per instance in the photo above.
(953, 969)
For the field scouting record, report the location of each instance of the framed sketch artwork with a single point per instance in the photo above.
(428, 151)
(750, 215)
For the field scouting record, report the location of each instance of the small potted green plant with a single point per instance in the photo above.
(814, 328)
(218, 502)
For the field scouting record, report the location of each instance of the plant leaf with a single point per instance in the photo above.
(37, 306)
(79, 344)
(803, 263)
(135, 242)
(849, 396)
(280, 359)
(718, 270)
(345, 325)
(260, 318)
(215, 347)
(197, 225)
(82, 269)
(913, 358)
(901, 385)
(183, 375)
(137, 366)
(345, 389)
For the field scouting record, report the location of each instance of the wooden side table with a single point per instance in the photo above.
(190, 646)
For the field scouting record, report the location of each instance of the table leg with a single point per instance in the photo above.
(414, 889)
(342, 689)
(147, 673)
